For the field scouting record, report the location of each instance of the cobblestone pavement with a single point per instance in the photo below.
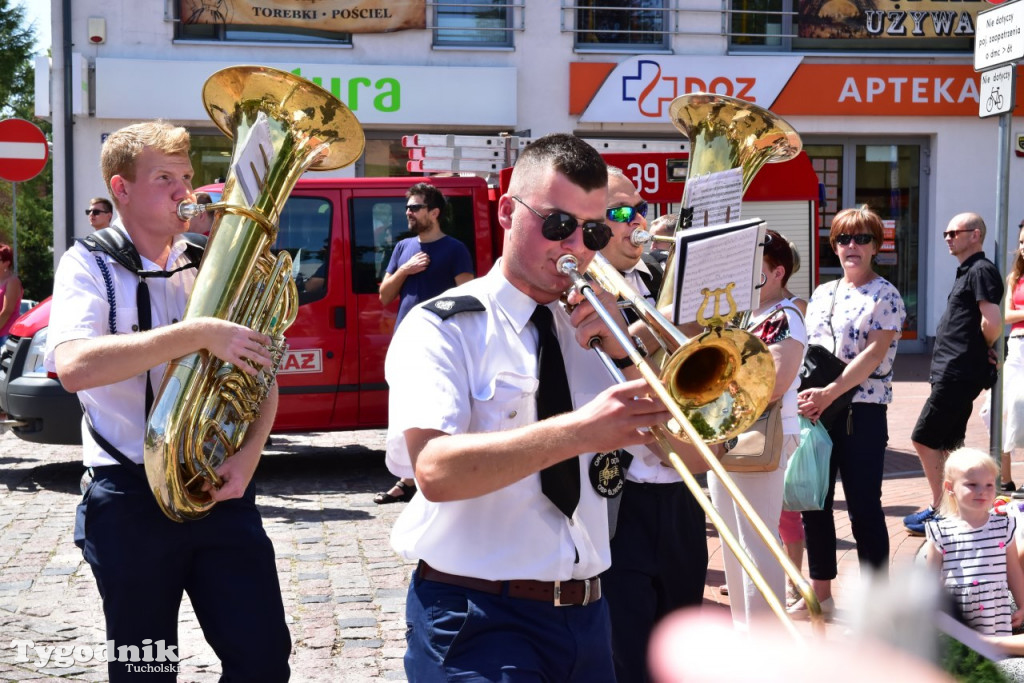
(344, 588)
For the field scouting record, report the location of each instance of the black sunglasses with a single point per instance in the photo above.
(862, 239)
(415, 207)
(558, 225)
(951, 234)
(94, 212)
(625, 214)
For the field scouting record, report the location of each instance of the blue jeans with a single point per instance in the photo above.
(460, 634)
(858, 457)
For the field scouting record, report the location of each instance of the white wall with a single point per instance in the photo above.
(963, 152)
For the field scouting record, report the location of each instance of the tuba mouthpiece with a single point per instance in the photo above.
(640, 237)
(188, 210)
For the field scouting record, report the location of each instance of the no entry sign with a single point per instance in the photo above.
(23, 150)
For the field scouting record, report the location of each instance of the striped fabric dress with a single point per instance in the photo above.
(974, 569)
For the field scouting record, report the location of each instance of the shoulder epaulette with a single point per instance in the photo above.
(445, 307)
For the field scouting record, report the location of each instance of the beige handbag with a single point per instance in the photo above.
(760, 448)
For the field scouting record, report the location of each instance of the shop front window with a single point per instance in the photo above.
(761, 23)
(473, 23)
(886, 177)
(621, 24)
(852, 25)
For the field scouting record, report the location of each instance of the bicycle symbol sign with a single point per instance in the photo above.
(997, 90)
(995, 99)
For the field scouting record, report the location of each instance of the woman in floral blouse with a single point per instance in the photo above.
(859, 318)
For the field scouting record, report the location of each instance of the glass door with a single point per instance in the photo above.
(887, 175)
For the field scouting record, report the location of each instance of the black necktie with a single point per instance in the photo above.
(559, 482)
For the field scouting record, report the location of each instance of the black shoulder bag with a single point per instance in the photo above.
(822, 367)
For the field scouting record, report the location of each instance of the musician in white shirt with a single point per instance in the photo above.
(496, 557)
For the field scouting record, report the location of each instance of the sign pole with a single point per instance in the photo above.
(1004, 264)
(998, 46)
(14, 226)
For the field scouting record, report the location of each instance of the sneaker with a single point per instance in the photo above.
(915, 521)
(1009, 486)
(1018, 494)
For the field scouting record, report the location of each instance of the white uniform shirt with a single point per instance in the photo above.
(80, 310)
(477, 372)
(646, 467)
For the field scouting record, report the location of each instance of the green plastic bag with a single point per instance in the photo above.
(807, 471)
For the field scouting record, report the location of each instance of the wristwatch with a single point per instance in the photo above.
(638, 344)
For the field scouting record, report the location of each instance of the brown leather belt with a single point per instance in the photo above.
(558, 593)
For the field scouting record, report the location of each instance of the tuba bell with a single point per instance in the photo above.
(282, 125)
(724, 377)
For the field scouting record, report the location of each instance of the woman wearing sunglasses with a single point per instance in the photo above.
(859, 318)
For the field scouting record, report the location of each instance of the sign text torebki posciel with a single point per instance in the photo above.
(150, 657)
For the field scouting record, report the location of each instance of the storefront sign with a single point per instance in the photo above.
(888, 20)
(639, 89)
(880, 90)
(402, 95)
(350, 16)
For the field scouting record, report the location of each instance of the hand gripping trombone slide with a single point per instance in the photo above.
(610, 280)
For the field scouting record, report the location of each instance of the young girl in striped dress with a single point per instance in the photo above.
(974, 548)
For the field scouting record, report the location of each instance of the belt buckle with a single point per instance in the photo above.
(558, 594)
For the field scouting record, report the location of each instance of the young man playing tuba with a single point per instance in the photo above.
(141, 559)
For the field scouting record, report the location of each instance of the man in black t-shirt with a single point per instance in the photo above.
(960, 368)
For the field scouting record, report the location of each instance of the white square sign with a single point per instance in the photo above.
(998, 87)
(999, 36)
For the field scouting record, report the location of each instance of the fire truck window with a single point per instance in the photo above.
(379, 222)
(305, 233)
(377, 225)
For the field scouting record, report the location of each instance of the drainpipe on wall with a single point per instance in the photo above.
(69, 123)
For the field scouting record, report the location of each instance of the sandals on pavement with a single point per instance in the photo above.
(407, 492)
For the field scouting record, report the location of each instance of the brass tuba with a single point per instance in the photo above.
(723, 378)
(282, 126)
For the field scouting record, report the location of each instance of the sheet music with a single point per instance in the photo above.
(714, 264)
(716, 197)
(251, 164)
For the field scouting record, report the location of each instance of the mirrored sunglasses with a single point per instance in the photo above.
(860, 239)
(559, 225)
(625, 214)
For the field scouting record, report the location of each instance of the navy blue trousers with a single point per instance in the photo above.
(858, 455)
(459, 634)
(659, 564)
(143, 562)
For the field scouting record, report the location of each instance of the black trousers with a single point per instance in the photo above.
(659, 564)
(858, 457)
(143, 562)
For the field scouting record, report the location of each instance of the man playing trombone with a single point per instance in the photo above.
(659, 543)
(511, 529)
